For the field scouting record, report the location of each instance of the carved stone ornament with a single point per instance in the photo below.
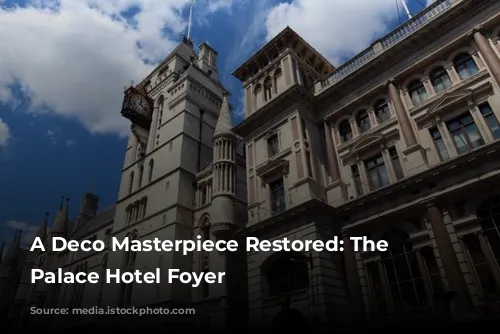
(141, 135)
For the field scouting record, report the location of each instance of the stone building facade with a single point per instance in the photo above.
(400, 143)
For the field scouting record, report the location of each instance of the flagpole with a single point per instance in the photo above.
(406, 9)
(190, 20)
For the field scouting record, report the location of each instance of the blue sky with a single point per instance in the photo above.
(64, 63)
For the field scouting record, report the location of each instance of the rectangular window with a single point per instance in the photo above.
(439, 144)
(490, 119)
(278, 204)
(273, 145)
(376, 286)
(377, 172)
(396, 163)
(478, 259)
(358, 185)
(465, 134)
(432, 269)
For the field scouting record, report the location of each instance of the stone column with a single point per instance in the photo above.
(491, 59)
(490, 259)
(333, 165)
(353, 280)
(451, 266)
(425, 277)
(401, 114)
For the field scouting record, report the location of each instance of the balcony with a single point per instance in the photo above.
(438, 9)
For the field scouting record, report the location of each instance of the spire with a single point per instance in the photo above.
(42, 231)
(60, 226)
(224, 125)
(12, 251)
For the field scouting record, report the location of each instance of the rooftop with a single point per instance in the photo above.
(432, 12)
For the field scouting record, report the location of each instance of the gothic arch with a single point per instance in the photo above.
(160, 101)
(204, 219)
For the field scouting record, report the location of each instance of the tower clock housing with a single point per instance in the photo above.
(137, 107)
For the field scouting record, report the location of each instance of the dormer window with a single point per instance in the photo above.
(273, 145)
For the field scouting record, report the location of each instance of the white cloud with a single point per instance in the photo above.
(336, 28)
(70, 143)
(4, 133)
(73, 57)
(28, 231)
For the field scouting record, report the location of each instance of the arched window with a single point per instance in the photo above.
(141, 173)
(403, 274)
(131, 182)
(489, 214)
(133, 255)
(150, 171)
(268, 89)
(160, 111)
(417, 92)
(205, 229)
(440, 80)
(363, 121)
(381, 109)
(345, 131)
(465, 66)
(288, 273)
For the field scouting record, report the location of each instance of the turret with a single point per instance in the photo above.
(207, 61)
(60, 225)
(88, 210)
(224, 169)
(9, 273)
(25, 282)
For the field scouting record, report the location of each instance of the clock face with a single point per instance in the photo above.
(140, 104)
